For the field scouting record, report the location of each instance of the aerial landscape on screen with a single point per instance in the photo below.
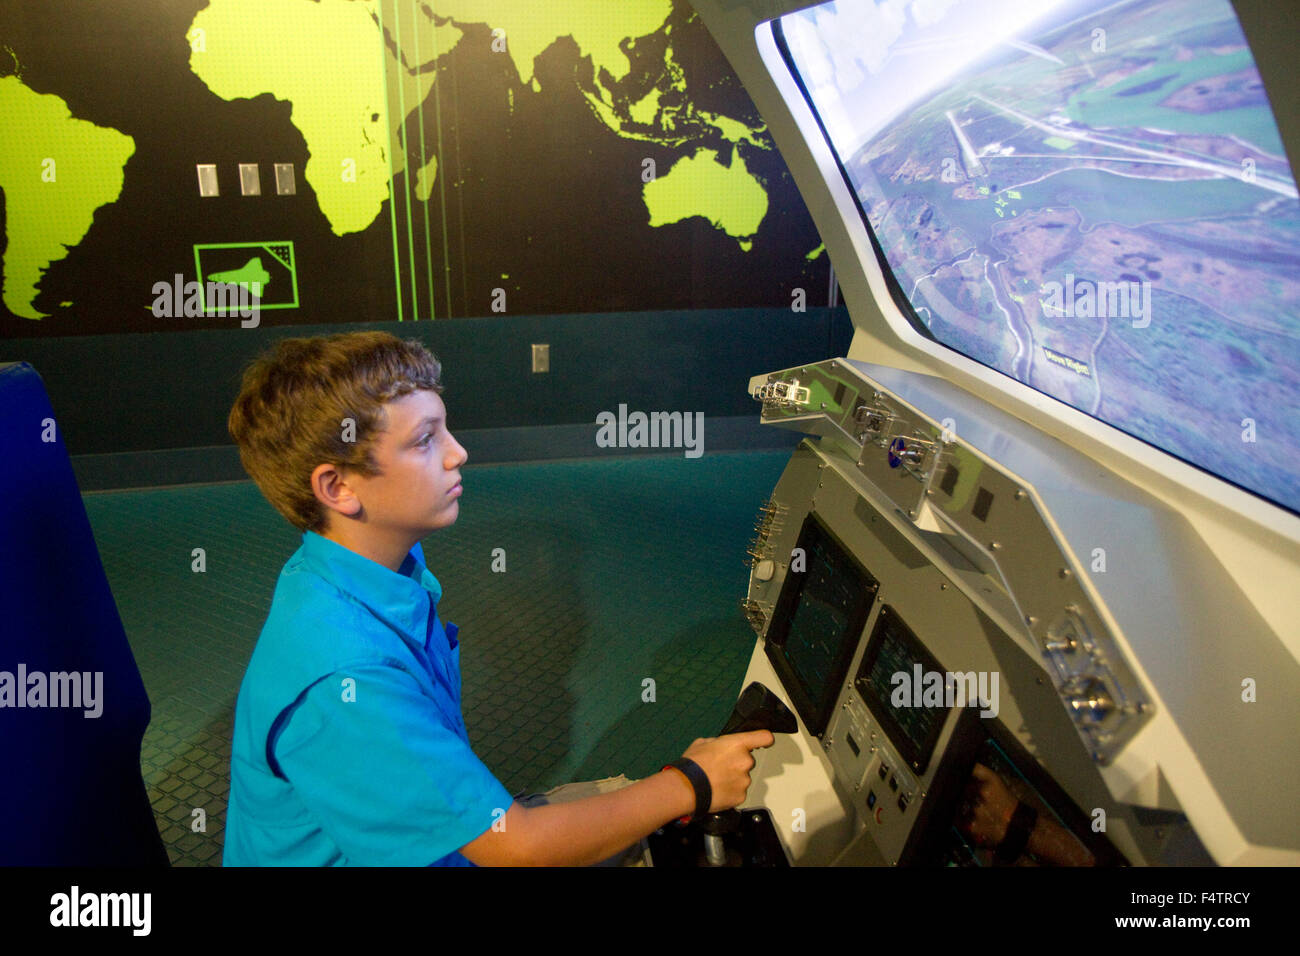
(1098, 205)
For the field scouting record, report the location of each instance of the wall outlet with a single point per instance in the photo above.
(541, 358)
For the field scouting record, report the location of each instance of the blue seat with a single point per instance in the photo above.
(71, 791)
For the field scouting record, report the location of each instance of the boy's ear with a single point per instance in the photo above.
(333, 491)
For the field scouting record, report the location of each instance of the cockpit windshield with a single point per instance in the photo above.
(1092, 198)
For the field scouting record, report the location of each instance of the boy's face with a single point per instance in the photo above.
(418, 487)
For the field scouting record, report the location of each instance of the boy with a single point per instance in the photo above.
(349, 745)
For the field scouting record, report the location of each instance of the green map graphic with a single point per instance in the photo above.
(730, 198)
(600, 29)
(55, 172)
(315, 55)
(427, 155)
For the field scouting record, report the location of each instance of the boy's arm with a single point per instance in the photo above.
(583, 832)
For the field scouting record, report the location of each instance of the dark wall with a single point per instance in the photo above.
(439, 171)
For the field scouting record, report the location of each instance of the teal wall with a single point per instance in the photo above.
(130, 400)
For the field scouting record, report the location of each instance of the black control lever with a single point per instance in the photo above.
(759, 709)
(756, 709)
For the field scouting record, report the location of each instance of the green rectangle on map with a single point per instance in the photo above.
(267, 268)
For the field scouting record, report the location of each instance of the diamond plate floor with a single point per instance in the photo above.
(618, 571)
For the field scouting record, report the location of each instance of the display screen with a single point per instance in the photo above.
(1089, 196)
(818, 622)
(891, 680)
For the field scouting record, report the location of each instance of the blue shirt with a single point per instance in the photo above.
(349, 746)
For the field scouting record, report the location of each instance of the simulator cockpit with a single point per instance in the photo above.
(1024, 582)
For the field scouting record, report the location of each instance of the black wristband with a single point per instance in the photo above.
(1017, 836)
(699, 782)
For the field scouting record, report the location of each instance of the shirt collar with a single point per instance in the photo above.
(395, 597)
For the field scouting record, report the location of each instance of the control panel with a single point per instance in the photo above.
(988, 523)
(897, 678)
(923, 612)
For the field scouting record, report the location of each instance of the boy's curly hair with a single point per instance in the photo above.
(295, 401)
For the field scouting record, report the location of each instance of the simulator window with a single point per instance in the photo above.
(818, 621)
(1091, 197)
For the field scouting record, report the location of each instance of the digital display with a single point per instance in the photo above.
(890, 680)
(818, 621)
(1089, 196)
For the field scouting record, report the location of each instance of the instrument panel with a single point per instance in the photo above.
(988, 521)
(913, 649)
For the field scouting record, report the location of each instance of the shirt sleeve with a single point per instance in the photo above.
(386, 777)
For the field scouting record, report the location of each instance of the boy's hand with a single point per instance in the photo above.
(727, 761)
(595, 828)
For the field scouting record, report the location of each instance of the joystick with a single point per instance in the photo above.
(756, 709)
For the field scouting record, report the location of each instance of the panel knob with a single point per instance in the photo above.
(1089, 700)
